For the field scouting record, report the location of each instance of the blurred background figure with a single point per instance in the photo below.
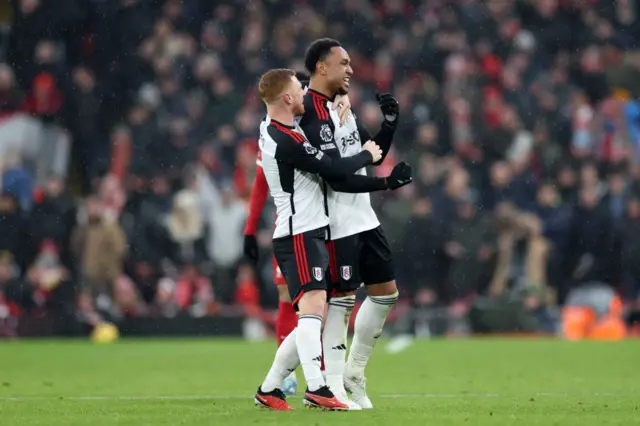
(128, 140)
(99, 245)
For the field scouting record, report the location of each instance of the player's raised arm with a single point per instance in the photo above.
(390, 110)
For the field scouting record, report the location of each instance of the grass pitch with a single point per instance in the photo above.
(211, 382)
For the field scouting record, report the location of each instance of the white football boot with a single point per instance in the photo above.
(357, 386)
(344, 398)
(341, 395)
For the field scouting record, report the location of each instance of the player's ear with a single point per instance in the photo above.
(321, 67)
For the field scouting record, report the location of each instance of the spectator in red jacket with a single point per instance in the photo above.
(45, 99)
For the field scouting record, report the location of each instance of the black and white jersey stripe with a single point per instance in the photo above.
(296, 193)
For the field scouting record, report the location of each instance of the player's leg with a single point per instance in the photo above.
(286, 322)
(287, 318)
(270, 394)
(303, 259)
(376, 269)
(344, 281)
(311, 301)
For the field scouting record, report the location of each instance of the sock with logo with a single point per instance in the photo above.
(368, 327)
(334, 339)
(310, 349)
(285, 362)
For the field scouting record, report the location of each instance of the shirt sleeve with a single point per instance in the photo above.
(259, 192)
(356, 184)
(304, 156)
(383, 138)
(319, 131)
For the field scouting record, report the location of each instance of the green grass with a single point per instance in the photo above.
(203, 382)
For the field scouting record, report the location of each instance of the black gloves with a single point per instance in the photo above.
(401, 175)
(251, 248)
(389, 107)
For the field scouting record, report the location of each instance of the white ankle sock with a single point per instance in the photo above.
(368, 327)
(285, 363)
(334, 340)
(310, 349)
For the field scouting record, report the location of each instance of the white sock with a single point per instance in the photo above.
(284, 364)
(310, 349)
(334, 340)
(368, 327)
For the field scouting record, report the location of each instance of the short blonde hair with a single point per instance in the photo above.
(273, 83)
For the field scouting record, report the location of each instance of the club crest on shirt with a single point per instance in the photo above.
(318, 273)
(325, 133)
(345, 272)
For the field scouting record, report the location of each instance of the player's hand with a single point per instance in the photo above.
(374, 150)
(251, 248)
(401, 175)
(389, 107)
(343, 105)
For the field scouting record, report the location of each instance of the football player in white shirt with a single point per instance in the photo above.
(358, 249)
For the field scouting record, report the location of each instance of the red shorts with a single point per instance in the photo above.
(278, 278)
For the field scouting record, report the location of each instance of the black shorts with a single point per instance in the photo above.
(303, 260)
(361, 258)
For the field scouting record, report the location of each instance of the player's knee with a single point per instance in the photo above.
(343, 293)
(312, 303)
(388, 288)
(283, 294)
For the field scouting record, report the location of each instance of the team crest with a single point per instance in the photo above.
(318, 274)
(345, 272)
(325, 133)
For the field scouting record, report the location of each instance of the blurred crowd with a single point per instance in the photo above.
(520, 118)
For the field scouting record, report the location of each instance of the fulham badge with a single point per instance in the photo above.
(345, 272)
(318, 274)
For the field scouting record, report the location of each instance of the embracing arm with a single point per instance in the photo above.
(355, 184)
(313, 129)
(306, 157)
